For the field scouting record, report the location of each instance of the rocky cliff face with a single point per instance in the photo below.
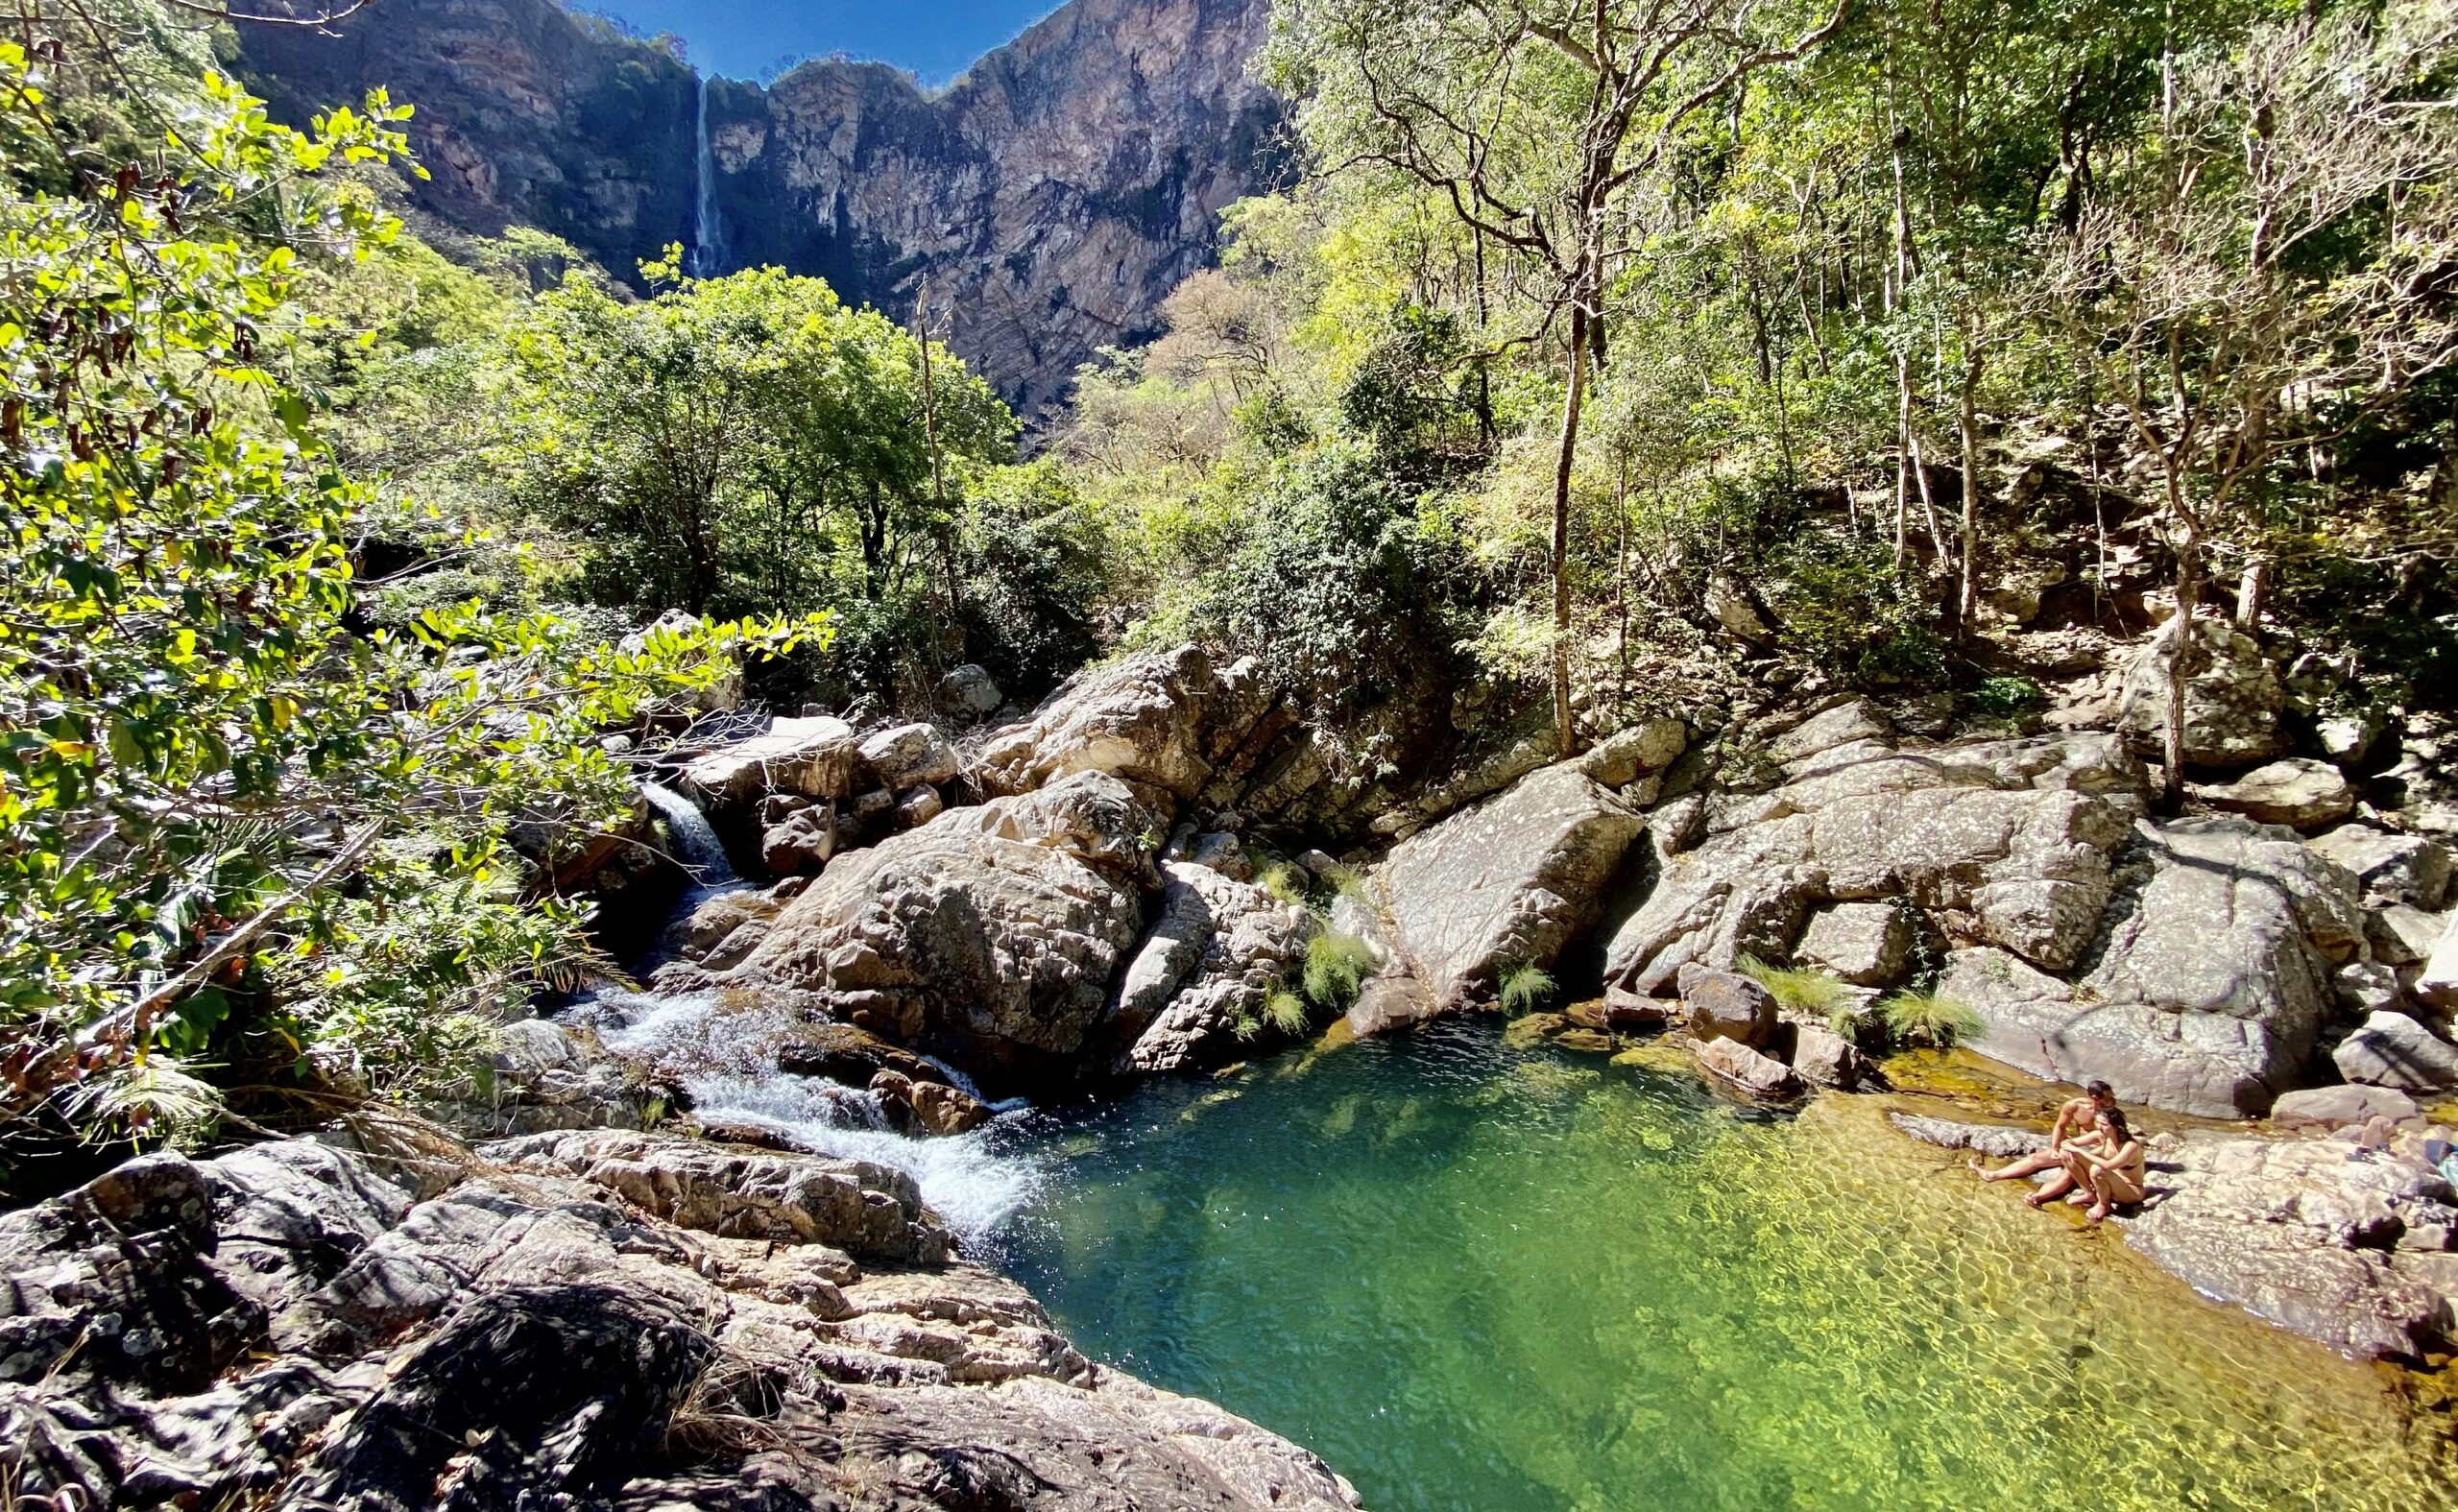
(1047, 201)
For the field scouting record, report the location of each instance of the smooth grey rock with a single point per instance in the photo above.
(2437, 984)
(2232, 696)
(1865, 944)
(1758, 1075)
(1390, 1003)
(813, 757)
(1857, 720)
(2402, 934)
(1505, 884)
(2337, 1107)
(2393, 868)
(1994, 1141)
(1726, 1005)
(989, 935)
(2297, 791)
(2391, 1049)
(907, 757)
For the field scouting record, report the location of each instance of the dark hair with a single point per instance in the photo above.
(2117, 1125)
(2099, 1089)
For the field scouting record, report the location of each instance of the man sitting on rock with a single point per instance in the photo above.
(2080, 1116)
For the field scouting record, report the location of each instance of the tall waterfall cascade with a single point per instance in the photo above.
(708, 228)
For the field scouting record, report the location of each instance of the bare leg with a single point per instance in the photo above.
(2056, 1186)
(2029, 1165)
(2111, 1187)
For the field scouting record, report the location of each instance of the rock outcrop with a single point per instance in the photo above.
(1049, 199)
(607, 1320)
(1200, 983)
(2353, 1249)
(989, 935)
(1503, 885)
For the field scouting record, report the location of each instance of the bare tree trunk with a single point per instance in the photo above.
(2252, 586)
(1902, 464)
(1967, 422)
(2171, 734)
(1564, 738)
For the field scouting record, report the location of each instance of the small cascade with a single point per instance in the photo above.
(695, 843)
(708, 228)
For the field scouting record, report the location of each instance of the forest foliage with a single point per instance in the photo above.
(1601, 356)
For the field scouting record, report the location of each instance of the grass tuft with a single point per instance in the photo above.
(1336, 965)
(1814, 993)
(1524, 986)
(1930, 1019)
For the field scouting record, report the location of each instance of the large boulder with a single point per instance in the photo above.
(2298, 792)
(989, 936)
(2005, 842)
(2411, 870)
(1726, 1005)
(1506, 884)
(2389, 1049)
(967, 694)
(2215, 976)
(1865, 944)
(1199, 981)
(1759, 1075)
(907, 756)
(2232, 695)
(814, 757)
(1152, 719)
(2341, 1107)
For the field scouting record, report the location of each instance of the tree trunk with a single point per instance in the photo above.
(1968, 423)
(1564, 739)
(2251, 588)
(2171, 734)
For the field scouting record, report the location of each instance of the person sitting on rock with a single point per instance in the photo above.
(2076, 1115)
(2112, 1170)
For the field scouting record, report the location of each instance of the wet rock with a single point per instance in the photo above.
(1995, 1142)
(2298, 792)
(543, 1075)
(2337, 1107)
(1865, 944)
(1758, 1075)
(928, 1107)
(2232, 696)
(2391, 1049)
(1387, 1004)
(2391, 867)
(814, 757)
(989, 935)
(1726, 1005)
(909, 757)
(1506, 884)
(1826, 1058)
(1199, 980)
(968, 694)
(842, 1054)
(1624, 1009)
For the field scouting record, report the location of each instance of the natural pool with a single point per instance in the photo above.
(1483, 1278)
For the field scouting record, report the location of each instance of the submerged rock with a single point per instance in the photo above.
(1758, 1075)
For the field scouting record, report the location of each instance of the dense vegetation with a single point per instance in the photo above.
(1607, 353)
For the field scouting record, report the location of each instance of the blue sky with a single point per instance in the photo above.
(744, 38)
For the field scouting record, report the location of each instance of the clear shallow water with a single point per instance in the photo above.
(1497, 1279)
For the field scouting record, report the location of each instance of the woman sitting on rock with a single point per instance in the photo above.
(2112, 1170)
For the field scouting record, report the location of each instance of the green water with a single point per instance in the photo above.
(1478, 1277)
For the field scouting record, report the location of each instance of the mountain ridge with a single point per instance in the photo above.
(1049, 198)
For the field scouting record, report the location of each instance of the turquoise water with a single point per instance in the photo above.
(1475, 1276)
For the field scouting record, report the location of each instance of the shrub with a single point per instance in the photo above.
(1336, 965)
(1929, 1019)
(2006, 695)
(1524, 986)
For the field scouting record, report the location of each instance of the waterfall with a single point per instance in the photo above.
(696, 845)
(708, 229)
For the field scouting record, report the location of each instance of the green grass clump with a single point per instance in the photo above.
(1814, 993)
(1929, 1019)
(1524, 986)
(1288, 1013)
(1284, 881)
(1336, 965)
